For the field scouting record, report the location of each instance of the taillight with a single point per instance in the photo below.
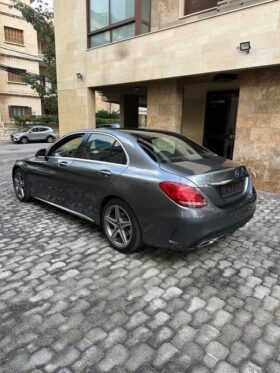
(184, 195)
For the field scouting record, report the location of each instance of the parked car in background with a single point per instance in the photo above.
(35, 133)
(143, 187)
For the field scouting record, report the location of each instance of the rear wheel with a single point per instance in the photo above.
(121, 227)
(24, 140)
(21, 186)
(50, 139)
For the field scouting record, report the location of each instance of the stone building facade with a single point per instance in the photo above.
(19, 50)
(208, 69)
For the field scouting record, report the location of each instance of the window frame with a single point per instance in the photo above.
(29, 110)
(63, 141)
(6, 28)
(137, 20)
(186, 13)
(114, 140)
(12, 75)
(86, 137)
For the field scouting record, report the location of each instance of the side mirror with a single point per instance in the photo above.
(41, 153)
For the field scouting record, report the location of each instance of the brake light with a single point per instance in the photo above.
(183, 195)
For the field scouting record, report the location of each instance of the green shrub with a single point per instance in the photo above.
(106, 115)
(22, 120)
(100, 121)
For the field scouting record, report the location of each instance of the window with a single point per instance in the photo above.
(19, 110)
(168, 148)
(113, 20)
(194, 6)
(13, 35)
(102, 148)
(67, 147)
(16, 78)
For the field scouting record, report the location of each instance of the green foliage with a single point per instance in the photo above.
(103, 114)
(101, 121)
(22, 120)
(41, 19)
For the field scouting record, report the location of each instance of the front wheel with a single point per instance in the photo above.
(121, 227)
(24, 140)
(50, 139)
(21, 186)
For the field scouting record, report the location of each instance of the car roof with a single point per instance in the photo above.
(134, 132)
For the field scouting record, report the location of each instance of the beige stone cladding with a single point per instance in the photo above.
(257, 141)
(165, 104)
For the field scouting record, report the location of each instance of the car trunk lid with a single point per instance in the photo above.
(222, 181)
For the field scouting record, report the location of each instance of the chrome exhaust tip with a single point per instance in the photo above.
(209, 242)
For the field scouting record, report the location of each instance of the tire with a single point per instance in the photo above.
(24, 140)
(21, 186)
(50, 139)
(121, 227)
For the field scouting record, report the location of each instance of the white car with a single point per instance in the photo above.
(36, 133)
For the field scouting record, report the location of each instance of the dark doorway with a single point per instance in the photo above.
(220, 122)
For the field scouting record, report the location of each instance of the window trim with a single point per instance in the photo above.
(13, 42)
(16, 81)
(186, 14)
(137, 20)
(86, 136)
(21, 106)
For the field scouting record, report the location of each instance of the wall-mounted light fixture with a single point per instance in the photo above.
(79, 76)
(245, 47)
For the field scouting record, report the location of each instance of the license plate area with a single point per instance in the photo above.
(232, 188)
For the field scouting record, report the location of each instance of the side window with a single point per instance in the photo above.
(102, 148)
(68, 147)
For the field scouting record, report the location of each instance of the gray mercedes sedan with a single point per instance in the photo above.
(156, 188)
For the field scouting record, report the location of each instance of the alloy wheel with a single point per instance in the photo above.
(19, 185)
(118, 226)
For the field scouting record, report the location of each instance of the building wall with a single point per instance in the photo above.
(22, 57)
(195, 97)
(257, 141)
(103, 105)
(208, 45)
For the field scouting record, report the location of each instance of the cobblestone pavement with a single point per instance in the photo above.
(69, 303)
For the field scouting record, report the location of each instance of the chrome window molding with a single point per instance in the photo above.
(90, 160)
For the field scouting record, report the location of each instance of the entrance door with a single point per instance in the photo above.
(220, 122)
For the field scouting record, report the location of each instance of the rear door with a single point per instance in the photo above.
(97, 164)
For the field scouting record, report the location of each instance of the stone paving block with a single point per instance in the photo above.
(69, 303)
(164, 354)
(142, 354)
(263, 352)
(116, 356)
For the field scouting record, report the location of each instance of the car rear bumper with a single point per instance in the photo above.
(200, 227)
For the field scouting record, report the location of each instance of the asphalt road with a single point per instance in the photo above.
(16, 151)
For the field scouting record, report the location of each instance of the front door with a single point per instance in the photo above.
(220, 122)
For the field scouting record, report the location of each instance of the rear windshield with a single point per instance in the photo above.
(165, 148)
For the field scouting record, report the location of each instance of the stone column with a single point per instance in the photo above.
(129, 111)
(165, 105)
(76, 109)
(257, 142)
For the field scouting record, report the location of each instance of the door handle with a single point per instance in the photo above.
(63, 163)
(106, 173)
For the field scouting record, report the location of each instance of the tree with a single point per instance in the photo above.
(41, 18)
